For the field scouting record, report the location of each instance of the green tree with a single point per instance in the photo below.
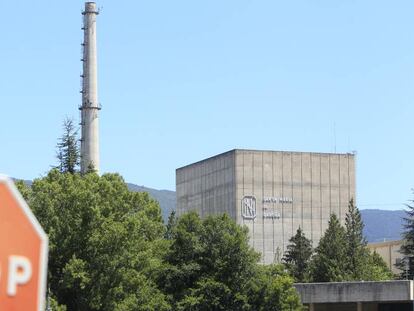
(204, 252)
(210, 266)
(106, 243)
(329, 263)
(108, 251)
(377, 269)
(407, 248)
(209, 294)
(272, 290)
(297, 256)
(362, 265)
(171, 223)
(357, 252)
(343, 255)
(68, 149)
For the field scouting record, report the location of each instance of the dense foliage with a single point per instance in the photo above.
(272, 290)
(329, 263)
(356, 250)
(109, 250)
(210, 266)
(106, 243)
(68, 153)
(407, 249)
(298, 255)
(342, 253)
(361, 264)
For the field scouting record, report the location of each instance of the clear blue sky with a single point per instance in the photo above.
(184, 80)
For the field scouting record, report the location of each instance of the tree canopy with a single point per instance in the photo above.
(298, 255)
(361, 264)
(105, 241)
(343, 255)
(329, 262)
(407, 248)
(109, 250)
(68, 153)
(210, 266)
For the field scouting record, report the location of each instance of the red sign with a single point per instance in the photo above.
(23, 253)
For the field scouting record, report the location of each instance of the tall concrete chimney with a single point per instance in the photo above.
(90, 105)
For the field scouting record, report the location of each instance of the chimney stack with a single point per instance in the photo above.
(90, 105)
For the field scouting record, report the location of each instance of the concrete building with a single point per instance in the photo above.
(357, 296)
(390, 252)
(90, 105)
(271, 192)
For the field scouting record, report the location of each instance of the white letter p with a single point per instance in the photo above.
(20, 272)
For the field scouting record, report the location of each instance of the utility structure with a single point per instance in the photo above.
(90, 105)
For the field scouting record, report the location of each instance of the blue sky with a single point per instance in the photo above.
(183, 80)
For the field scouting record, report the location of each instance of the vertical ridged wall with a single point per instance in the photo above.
(317, 183)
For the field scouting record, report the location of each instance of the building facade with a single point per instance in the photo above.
(357, 296)
(390, 252)
(270, 192)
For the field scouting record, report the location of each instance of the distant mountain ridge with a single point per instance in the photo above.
(383, 225)
(166, 198)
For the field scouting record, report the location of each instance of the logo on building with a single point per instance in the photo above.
(249, 207)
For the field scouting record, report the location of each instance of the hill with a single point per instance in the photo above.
(382, 225)
(166, 198)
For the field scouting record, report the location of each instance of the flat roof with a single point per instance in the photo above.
(385, 243)
(361, 291)
(253, 150)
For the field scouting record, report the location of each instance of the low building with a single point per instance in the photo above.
(357, 296)
(390, 252)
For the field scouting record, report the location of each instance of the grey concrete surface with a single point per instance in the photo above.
(90, 105)
(353, 292)
(270, 192)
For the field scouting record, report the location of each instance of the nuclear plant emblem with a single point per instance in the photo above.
(249, 207)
